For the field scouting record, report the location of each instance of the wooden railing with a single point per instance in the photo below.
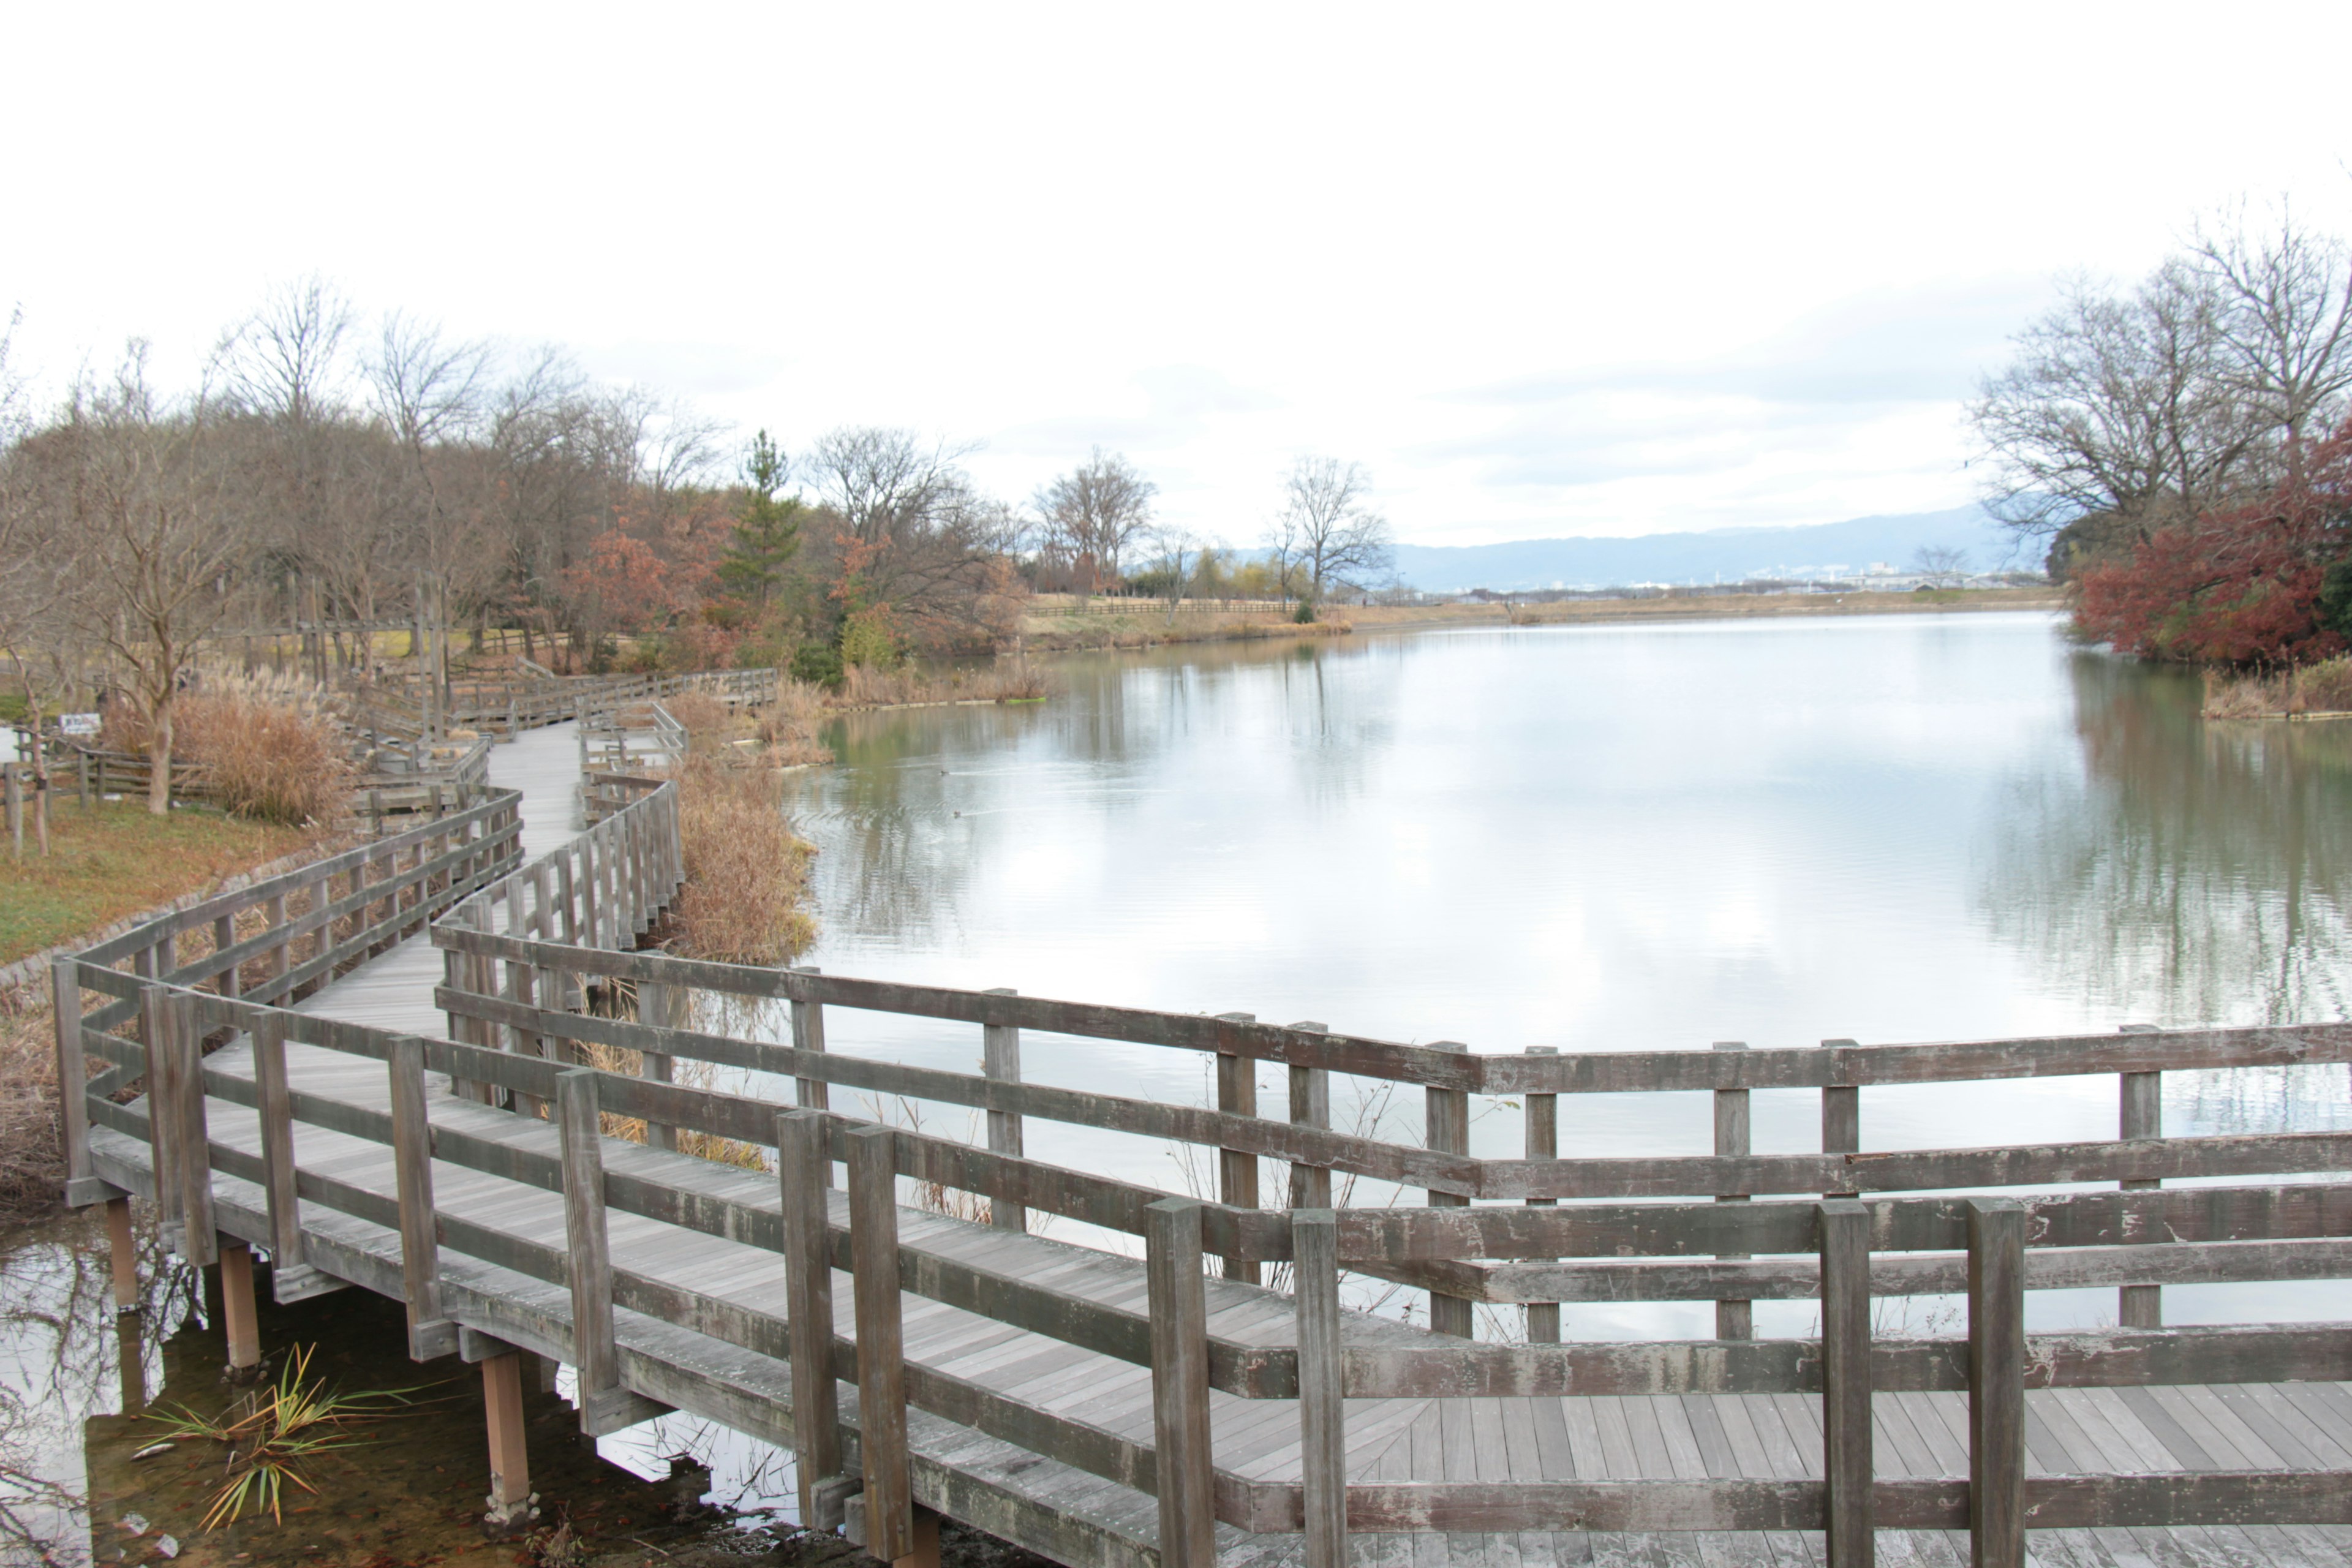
(1630, 1232)
(509, 706)
(273, 941)
(635, 735)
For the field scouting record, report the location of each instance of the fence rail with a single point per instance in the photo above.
(541, 978)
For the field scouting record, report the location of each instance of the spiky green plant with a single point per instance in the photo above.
(272, 1434)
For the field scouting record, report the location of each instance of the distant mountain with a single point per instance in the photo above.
(1721, 554)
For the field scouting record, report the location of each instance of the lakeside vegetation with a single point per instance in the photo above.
(2183, 447)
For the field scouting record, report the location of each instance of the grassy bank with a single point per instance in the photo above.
(105, 865)
(113, 859)
(1148, 627)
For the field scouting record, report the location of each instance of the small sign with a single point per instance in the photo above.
(77, 723)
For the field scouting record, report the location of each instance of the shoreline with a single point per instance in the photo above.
(1151, 626)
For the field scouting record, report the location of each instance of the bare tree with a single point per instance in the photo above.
(2283, 307)
(1326, 531)
(912, 532)
(2118, 405)
(1941, 565)
(2197, 389)
(1096, 512)
(156, 505)
(1176, 551)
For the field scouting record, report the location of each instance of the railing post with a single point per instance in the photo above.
(1845, 1381)
(808, 1035)
(1446, 1131)
(1733, 1320)
(1000, 1049)
(881, 1360)
(1322, 1414)
(804, 1165)
(592, 927)
(1237, 1168)
(656, 1005)
(277, 1117)
(430, 1335)
(2140, 1115)
(190, 1138)
(1179, 1384)
(1310, 1106)
(1996, 1382)
(1543, 1143)
(1841, 1116)
(595, 1352)
(163, 1100)
(224, 937)
(73, 1080)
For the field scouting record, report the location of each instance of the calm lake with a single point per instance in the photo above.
(1593, 838)
(1890, 828)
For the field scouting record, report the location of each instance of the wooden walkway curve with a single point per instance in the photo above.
(1107, 1409)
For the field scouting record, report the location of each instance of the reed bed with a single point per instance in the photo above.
(267, 744)
(2322, 687)
(862, 687)
(746, 871)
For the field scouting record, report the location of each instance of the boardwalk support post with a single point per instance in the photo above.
(430, 1335)
(123, 1252)
(1322, 1425)
(512, 1507)
(889, 1498)
(1845, 1381)
(241, 1324)
(1180, 1382)
(1996, 1382)
(803, 1163)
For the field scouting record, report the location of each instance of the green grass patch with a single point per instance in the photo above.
(113, 859)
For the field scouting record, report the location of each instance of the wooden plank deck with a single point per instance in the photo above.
(1085, 1519)
(394, 992)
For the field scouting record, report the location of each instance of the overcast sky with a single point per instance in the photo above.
(1549, 270)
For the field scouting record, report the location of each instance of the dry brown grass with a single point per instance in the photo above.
(266, 745)
(1013, 681)
(2322, 687)
(32, 1162)
(746, 871)
(788, 724)
(689, 1074)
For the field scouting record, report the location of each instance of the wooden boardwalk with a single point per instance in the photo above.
(394, 992)
(1035, 1381)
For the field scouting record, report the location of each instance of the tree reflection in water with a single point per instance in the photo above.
(64, 1358)
(2192, 872)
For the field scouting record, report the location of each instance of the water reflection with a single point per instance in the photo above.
(2186, 872)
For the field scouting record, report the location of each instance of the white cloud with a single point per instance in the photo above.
(1544, 269)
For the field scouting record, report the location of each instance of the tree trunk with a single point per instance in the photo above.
(159, 757)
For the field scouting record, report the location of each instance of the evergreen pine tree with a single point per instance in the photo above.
(767, 533)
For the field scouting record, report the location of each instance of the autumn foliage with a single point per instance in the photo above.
(2249, 585)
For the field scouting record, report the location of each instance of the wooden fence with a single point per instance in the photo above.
(1648, 1229)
